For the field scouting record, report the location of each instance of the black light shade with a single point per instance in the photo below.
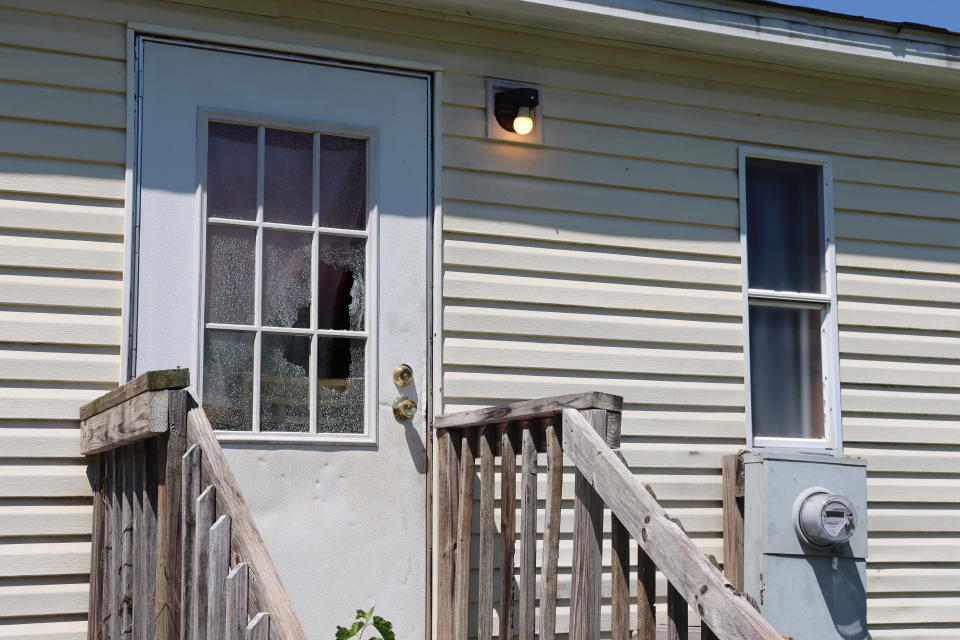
(507, 104)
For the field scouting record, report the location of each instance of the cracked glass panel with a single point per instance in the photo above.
(341, 283)
(285, 383)
(228, 379)
(287, 179)
(286, 278)
(341, 366)
(343, 182)
(231, 171)
(230, 273)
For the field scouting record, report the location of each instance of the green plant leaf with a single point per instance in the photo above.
(367, 615)
(385, 627)
(344, 633)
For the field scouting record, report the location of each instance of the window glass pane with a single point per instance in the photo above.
(286, 278)
(340, 384)
(231, 171)
(786, 373)
(784, 226)
(230, 272)
(284, 383)
(228, 379)
(340, 283)
(343, 182)
(287, 179)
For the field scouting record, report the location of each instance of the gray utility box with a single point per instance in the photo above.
(805, 543)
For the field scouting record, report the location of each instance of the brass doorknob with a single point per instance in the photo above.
(402, 375)
(404, 409)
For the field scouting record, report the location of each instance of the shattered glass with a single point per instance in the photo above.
(341, 364)
(230, 273)
(341, 283)
(286, 278)
(285, 383)
(228, 379)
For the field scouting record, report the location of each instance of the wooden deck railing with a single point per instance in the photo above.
(176, 554)
(585, 428)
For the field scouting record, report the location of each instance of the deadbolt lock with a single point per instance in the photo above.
(404, 409)
(402, 375)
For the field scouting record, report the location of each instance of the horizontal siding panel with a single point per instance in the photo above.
(546, 355)
(44, 559)
(588, 230)
(463, 384)
(899, 373)
(587, 324)
(64, 216)
(44, 481)
(60, 33)
(33, 442)
(585, 261)
(27, 288)
(914, 520)
(901, 229)
(64, 105)
(910, 202)
(920, 633)
(43, 599)
(882, 430)
(557, 195)
(45, 519)
(42, 364)
(64, 142)
(62, 69)
(70, 630)
(943, 488)
(899, 257)
(909, 549)
(61, 178)
(24, 402)
(936, 609)
(907, 460)
(70, 253)
(60, 327)
(897, 315)
(498, 287)
(943, 290)
(903, 343)
(593, 168)
(915, 579)
(893, 400)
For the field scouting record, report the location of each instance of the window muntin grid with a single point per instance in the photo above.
(246, 357)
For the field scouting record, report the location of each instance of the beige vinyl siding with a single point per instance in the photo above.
(606, 259)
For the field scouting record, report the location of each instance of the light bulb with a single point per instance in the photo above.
(523, 123)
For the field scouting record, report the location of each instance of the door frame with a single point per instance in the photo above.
(137, 34)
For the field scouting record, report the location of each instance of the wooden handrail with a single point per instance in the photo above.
(160, 481)
(726, 611)
(587, 428)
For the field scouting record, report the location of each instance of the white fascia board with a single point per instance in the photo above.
(752, 32)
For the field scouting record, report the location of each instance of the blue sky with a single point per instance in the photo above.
(937, 13)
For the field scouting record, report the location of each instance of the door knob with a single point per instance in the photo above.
(402, 375)
(404, 409)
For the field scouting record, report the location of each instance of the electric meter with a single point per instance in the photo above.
(824, 519)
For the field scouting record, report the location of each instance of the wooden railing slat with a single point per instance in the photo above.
(620, 581)
(218, 566)
(149, 381)
(116, 534)
(551, 533)
(529, 410)
(646, 596)
(508, 528)
(726, 612)
(487, 499)
(461, 590)
(141, 417)
(676, 614)
(731, 468)
(189, 492)
(126, 544)
(527, 620)
(259, 627)
(97, 544)
(236, 618)
(587, 538)
(206, 509)
(447, 473)
(170, 510)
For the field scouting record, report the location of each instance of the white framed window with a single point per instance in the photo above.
(792, 378)
(286, 309)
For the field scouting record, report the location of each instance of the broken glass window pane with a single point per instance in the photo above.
(341, 370)
(284, 383)
(230, 272)
(228, 379)
(286, 278)
(341, 284)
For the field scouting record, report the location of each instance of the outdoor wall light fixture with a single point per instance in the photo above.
(513, 109)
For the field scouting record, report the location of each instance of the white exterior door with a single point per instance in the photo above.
(282, 254)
